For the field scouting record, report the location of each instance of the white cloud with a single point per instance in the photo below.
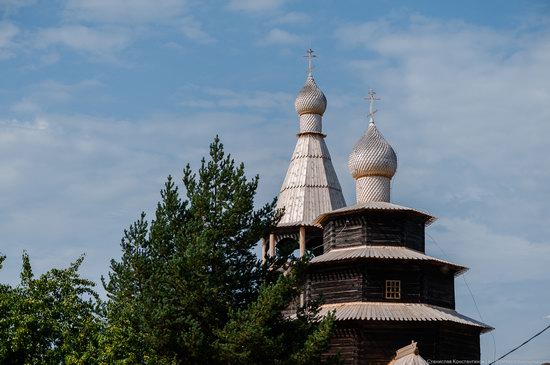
(8, 31)
(11, 6)
(50, 58)
(494, 258)
(193, 30)
(124, 11)
(230, 99)
(26, 105)
(46, 93)
(281, 37)
(102, 43)
(255, 5)
(293, 18)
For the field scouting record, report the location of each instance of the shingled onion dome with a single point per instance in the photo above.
(372, 163)
(310, 105)
(310, 99)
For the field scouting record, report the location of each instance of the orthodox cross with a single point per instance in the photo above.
(371, 98)
(310, 56)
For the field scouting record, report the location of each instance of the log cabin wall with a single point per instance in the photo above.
(346, 344)
(365, 281)
(377, 341)
(382, 228)
(375, 282)
(345, 232)
(336, 285)
(439, 287)
(458, 342)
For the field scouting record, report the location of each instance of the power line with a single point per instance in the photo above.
(524, 343)
(471, 294)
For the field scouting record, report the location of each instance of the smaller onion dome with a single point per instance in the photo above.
(310, 99)
(372, 156)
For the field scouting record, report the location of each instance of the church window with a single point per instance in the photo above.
(393, 289)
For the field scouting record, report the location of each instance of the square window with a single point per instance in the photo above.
(393, 289)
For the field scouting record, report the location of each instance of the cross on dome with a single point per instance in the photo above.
(371, 97)
(310, 56)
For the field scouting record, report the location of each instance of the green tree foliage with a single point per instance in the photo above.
(52, 319)
(189, 289)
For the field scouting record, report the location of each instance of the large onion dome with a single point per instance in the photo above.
(310, 99)
(372, 155)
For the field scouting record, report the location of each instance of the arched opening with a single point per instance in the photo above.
(287, 247)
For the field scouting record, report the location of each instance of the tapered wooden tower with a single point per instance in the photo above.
(311, 186)
(375, 276)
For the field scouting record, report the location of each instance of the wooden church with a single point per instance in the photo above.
(370, 267)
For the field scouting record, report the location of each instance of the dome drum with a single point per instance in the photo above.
(373, 189)
(311, 123)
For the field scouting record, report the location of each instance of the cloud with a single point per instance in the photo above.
(11, 6)
(124, 11)
(229, 99)
(494, 258)
(192, 29)
(476, 104)
(255, 6)
(100, 42)
(8, 31)
(293, 18)
(281, 37)
(41, 96)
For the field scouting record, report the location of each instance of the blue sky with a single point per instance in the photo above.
(101, 99)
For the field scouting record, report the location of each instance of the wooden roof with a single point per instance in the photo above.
(382, 252)
(410, 312)
(311, 186)
(374, 206)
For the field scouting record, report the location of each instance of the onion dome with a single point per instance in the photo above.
(372, 163)
(310, 99)
(372, 156)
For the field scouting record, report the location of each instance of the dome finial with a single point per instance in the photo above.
(310, 56)
(371, 98)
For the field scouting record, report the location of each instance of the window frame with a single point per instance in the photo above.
(392, 290)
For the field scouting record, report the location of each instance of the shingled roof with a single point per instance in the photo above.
(382, 311)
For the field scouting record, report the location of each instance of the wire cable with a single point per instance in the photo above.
(518, 347)
(471, 294)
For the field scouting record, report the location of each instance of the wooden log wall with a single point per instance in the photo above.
(382, 228)
(337, 285)
(366, 281)
(410, 277)
(346, 344)
(458, 342)
(439, 288)
(376, 341)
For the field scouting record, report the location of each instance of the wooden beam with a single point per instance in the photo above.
(272, 244)
(302, 241)
(264, 250)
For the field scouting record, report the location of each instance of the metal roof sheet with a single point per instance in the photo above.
(379, 311)
(380, 252)
(374, 206)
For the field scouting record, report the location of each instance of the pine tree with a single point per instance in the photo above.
(189, 289)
